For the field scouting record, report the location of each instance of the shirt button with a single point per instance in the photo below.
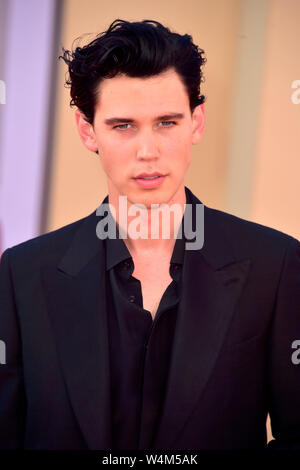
(131, 298)
(126, 264)
(176, 266)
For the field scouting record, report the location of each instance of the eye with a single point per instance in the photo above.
(167, 122)
(121, 126)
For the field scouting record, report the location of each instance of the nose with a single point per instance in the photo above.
(147, 147)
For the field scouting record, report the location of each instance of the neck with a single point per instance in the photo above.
(156, 227)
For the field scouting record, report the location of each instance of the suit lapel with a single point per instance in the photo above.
(213, 282)
(76, 301)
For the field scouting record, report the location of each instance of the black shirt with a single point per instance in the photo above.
(140, 347)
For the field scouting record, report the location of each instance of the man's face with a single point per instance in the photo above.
(140, 139)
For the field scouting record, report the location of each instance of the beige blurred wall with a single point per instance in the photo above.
(276, 188)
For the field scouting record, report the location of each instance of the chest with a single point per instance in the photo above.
(154, 279)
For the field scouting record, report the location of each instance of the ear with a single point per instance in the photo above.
(86, 131)
(198, 118)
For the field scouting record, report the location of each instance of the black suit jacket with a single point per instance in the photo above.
(232, 354)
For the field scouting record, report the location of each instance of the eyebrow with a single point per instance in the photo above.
(165, 117)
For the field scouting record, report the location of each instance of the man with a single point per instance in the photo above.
(141, 343)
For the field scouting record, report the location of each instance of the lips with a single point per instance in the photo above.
(148, 175)
(150, 183)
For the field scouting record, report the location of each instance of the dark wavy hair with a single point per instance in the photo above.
(136, 49)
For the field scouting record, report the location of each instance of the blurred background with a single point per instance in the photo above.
(246, 164)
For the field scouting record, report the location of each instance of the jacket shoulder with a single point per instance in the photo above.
(246, 235)
(48, 246)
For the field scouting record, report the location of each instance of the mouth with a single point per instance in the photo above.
(149, 176)
(150, 181)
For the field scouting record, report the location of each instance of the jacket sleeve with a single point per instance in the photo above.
(283, 366)
(12, 393)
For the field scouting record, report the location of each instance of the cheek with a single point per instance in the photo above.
(179, 152)
(180, 141)
(115, 164)
(107, 162)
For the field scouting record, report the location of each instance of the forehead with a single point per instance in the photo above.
(157, 92)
